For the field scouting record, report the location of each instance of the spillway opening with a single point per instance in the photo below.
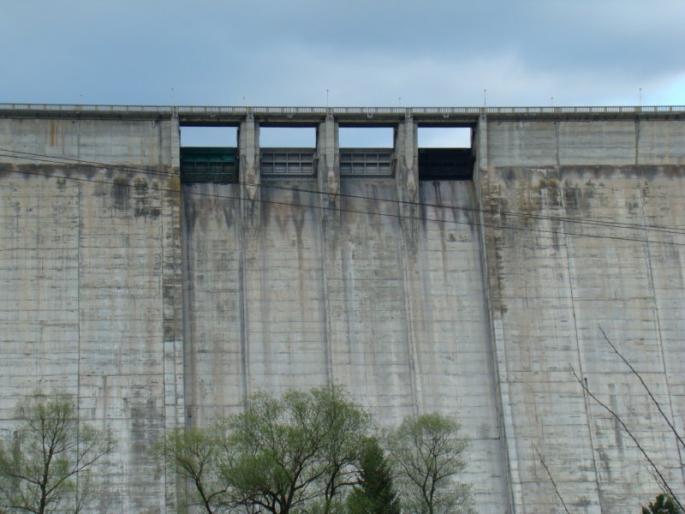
(366, 137)
(446, 153)
(287, 151)
(209, 154)
(366, 151)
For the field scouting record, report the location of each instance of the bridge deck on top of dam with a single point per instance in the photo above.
(193, 114)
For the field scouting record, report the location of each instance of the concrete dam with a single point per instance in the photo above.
(163, 285)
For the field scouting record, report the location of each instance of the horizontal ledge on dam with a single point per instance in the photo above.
(297, 115)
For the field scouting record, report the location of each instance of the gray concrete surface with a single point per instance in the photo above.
(554, 283)
(159, 305)
(91, 288)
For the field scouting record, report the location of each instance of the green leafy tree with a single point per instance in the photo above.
(375, 493)
(45, 463)
(196, 455)
(346, 426)
(663, 504)
(294, 453)
(428, 454)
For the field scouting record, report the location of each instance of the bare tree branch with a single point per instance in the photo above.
(551, 479)
(646, 387)
(663, 480)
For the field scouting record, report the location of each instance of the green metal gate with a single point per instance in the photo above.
(209, 164)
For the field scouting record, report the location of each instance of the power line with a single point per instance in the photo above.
(438, 220)
(671, 229)
(373, 213)
(578, 220)
(584, 221)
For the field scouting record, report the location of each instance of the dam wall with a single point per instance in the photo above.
(159, 301)
(303, 300)
(581, 234)
(90, 286)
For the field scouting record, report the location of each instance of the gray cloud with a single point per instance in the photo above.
(289, 52)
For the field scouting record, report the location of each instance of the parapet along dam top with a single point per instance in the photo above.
(353, 114)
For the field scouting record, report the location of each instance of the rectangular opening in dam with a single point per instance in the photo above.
(444, 137)
(209, 136)
(287, 137)
(209, 154)
(366, 151)
(365, 137)
(445, 153)
(287, 151)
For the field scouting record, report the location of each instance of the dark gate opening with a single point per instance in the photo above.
(209, 155)
(446, 164)
(445, 153)
(218, 165)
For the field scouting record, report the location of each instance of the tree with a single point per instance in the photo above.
(294, 452)
(427, 452)
(346, 426)
(196, 455)
(375, 493)
(663, 504)
(45, 463)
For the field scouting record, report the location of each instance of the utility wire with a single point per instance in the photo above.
(356, 211)
(552, 233)
(575, 220)
(578, 220)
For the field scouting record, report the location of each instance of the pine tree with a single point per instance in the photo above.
(375, 493)
(663, 504)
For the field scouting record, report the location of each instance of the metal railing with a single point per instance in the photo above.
(302, 110)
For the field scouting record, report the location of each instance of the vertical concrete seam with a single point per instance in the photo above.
(249, 178)
(570, 272)
(657, 320)
(407, 188)
(327, 332)
(637, 141)
(556, 138)
(160, 145)
(506, 417)
(78, 139)
(164, 344)
(179, 388)
(78, 325)
(508, 452)
(171, 288)
(407, 289)
(244, 333)
(188, 367)
(328, 181)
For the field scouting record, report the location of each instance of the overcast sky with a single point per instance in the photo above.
(373, 52)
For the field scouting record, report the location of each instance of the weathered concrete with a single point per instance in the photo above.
(159, 306)
(90, 280)
(396, 355)
(551, 289)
